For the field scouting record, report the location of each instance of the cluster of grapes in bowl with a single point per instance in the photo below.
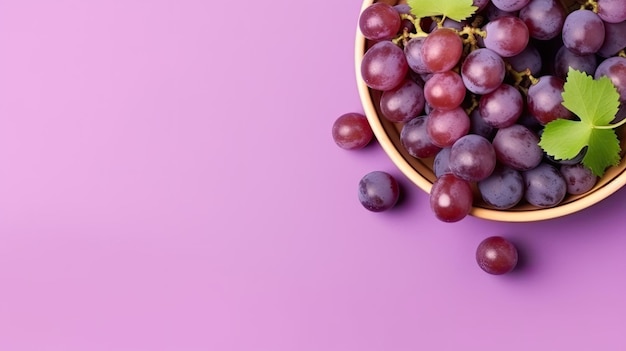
(472, 97)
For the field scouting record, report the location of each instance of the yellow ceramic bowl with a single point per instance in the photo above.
(420, 172)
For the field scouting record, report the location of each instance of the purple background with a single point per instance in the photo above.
(168, 182)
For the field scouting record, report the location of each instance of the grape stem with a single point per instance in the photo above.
(590, 5)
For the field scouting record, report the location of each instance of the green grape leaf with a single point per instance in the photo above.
(457, 10)
(595, 102)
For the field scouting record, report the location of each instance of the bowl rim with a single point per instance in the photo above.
(536, 214)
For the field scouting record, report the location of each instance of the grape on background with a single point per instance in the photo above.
(583, 32)
(415, 140)
(472, 158)
(496, 255)
(579, 179)
(544, 18)
(442, 50)
(403, 102)
(506, 35)
(451, 198)
(483, 71)
(517, 147)
(352, 131)
(444, 127)
(502, 107)
(378, 191)
(545, 101)
(612, 11)
(503, 189)
(615, 69)
(444, 90)
(545, 186)
(379, 21)
(384, 66)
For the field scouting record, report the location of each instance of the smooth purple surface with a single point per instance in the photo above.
(168, 182)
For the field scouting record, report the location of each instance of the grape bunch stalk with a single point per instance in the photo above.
(475, 86)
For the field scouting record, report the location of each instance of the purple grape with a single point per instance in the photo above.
(612, 11)
(544, 18)
(451, 198)
(444, 127)
(565, 58)
(579, 179)
(502, 107)
(503, 189)
(442, 50)
(583, 32)
(413, 53)
(444, 90)
(479, 126)
(545, 186)
(351, 131)
(384, 66)
(517, 147)
(402, 103)
(472, 158)
(441, 163)
(415, 140)
(615, 69)
(510, 5)
(545, 101)
(507, 36)
(379, 21)
(496, 255)
(483, 71)
(614, 39)
(378, 191)
(529, 58)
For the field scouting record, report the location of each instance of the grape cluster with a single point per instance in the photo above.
(475, 95)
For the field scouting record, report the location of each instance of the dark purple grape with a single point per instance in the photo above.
(472, 158)
(529, 58)
(483, 71)
(479, 126)
(503, 189)
(507, 36)
(441, 163)
(545, 100)
(579, 179)
(517, 147)
(583, 32)
(451, 198)
(544, 18)
(413, 53)
(614, 39)
(545, 186)
(379, 21)
(566, 59)
(612, 11)
(378, 191)
(502, 107)
(510, 5)
(352, 131)
(615, 69)
(415, 140)
(402, 103)
(496, 255)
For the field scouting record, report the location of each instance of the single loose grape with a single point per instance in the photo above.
(378, 191)
(496, 255)
(351, 131)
